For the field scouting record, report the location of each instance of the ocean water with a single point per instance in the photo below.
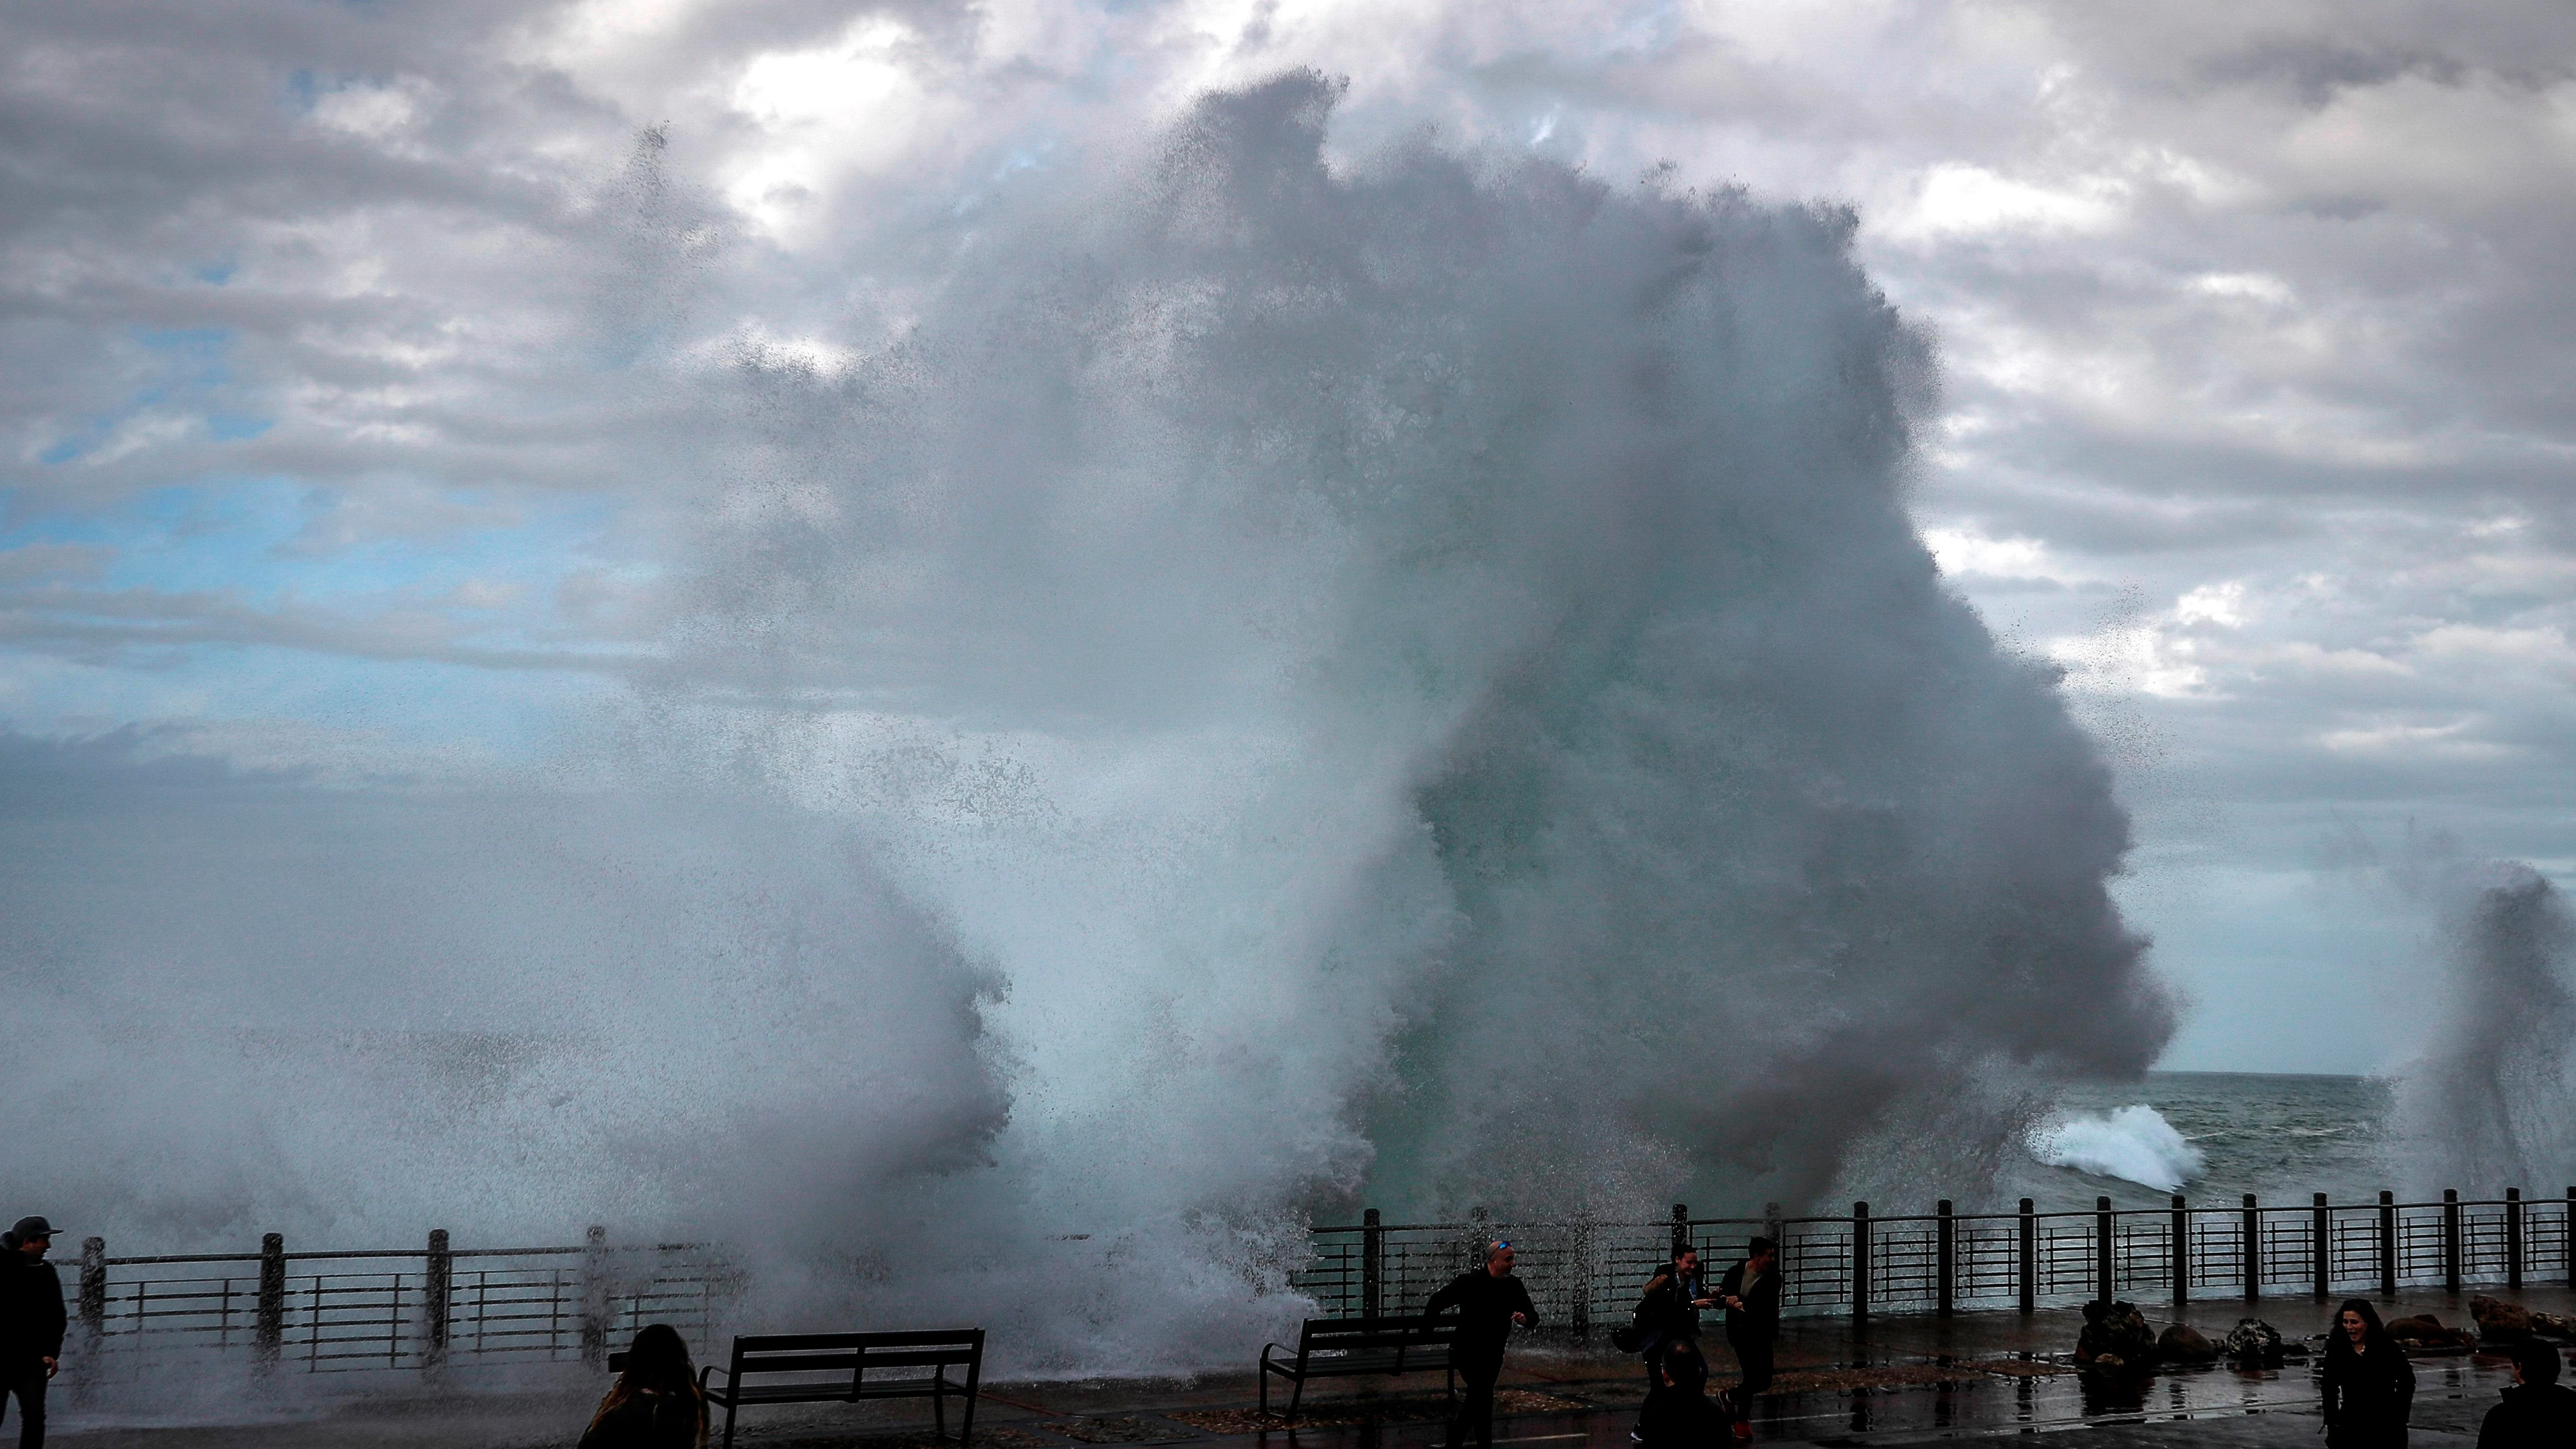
(2215, 1136)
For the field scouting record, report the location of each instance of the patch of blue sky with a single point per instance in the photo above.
(193, 369)
(377, 708)
(253, 537)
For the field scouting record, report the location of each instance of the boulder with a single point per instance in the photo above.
(2554, 1325)
(2498, 1321)
(2418, 1328)
(2115, 1330)
(2183, 1343)
(2423, 1330)
(2253, 1343)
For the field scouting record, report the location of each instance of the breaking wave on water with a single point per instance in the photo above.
(2133, 1143)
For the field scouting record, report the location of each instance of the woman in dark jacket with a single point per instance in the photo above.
(2369, 1386)
(655, 1403)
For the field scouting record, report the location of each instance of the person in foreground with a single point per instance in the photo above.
(655, 1403)
(1678, 1414)
(1489, 1301)
(2538, 1409)
(2368, 1384)
(31, 1324)
(1751, 1292)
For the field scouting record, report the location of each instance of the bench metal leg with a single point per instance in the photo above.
(729, 1408)
(1295, 1399)
(966, 1425)
(1265, 1388)
(939, 1404)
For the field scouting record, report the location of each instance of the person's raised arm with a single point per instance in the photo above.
(1445, 1298)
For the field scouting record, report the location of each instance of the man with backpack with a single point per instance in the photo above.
(1667, 1314)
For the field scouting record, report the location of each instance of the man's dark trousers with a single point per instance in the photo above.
(1753, 1356)
(1476, 1408)
(26, 1382)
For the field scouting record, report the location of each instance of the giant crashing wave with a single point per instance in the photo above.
(1281, 684)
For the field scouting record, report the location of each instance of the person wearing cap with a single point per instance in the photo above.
(31, 1325)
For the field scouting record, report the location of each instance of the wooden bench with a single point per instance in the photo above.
(1341, 1348)
(845, 1368)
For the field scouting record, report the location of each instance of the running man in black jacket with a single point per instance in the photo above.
(31, 1324)
(1489, 1301)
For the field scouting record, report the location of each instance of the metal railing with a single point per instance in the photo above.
(438, 1306)
(429, 1308)
(1588, 1273)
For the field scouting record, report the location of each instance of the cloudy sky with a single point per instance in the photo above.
(325, 449)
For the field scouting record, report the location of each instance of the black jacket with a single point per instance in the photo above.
(2531, 1415)
(31, 1309)
(1676, 1418)
(1666, 1309)
(2368, 1395)
(1758, 1321)
(1485, 1307)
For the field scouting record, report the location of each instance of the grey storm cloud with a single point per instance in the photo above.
(2254, 315)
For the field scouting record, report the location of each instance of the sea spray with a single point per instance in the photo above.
(1275, 687)
(2489, 1105)
(1552, 774)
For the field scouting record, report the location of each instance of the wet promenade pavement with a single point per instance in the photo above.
(1896, 1381)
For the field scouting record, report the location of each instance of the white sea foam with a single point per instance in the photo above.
(2134, 1143)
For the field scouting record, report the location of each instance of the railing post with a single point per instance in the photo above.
(2567, 1237)
(269, 1337)
(2388, 1242)
(2029, 1268)
(1372, 1265)
(594, 1296)
(1860, 1261)
(2321, 1228)
(1579, 1313)
(2181, 1251)
(2253, 1249)
(1945, 1253)
(2450, 1240)
(1479, 1233)
(1772, 1228)
(2513, 1237)
(93, 1294)
(437, 1277)
(1681, 1228)
(2105, 1265)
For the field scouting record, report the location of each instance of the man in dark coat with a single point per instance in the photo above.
(2537, 1410)
(1751, 1292)
(1489, 1301)
(31, 1324)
